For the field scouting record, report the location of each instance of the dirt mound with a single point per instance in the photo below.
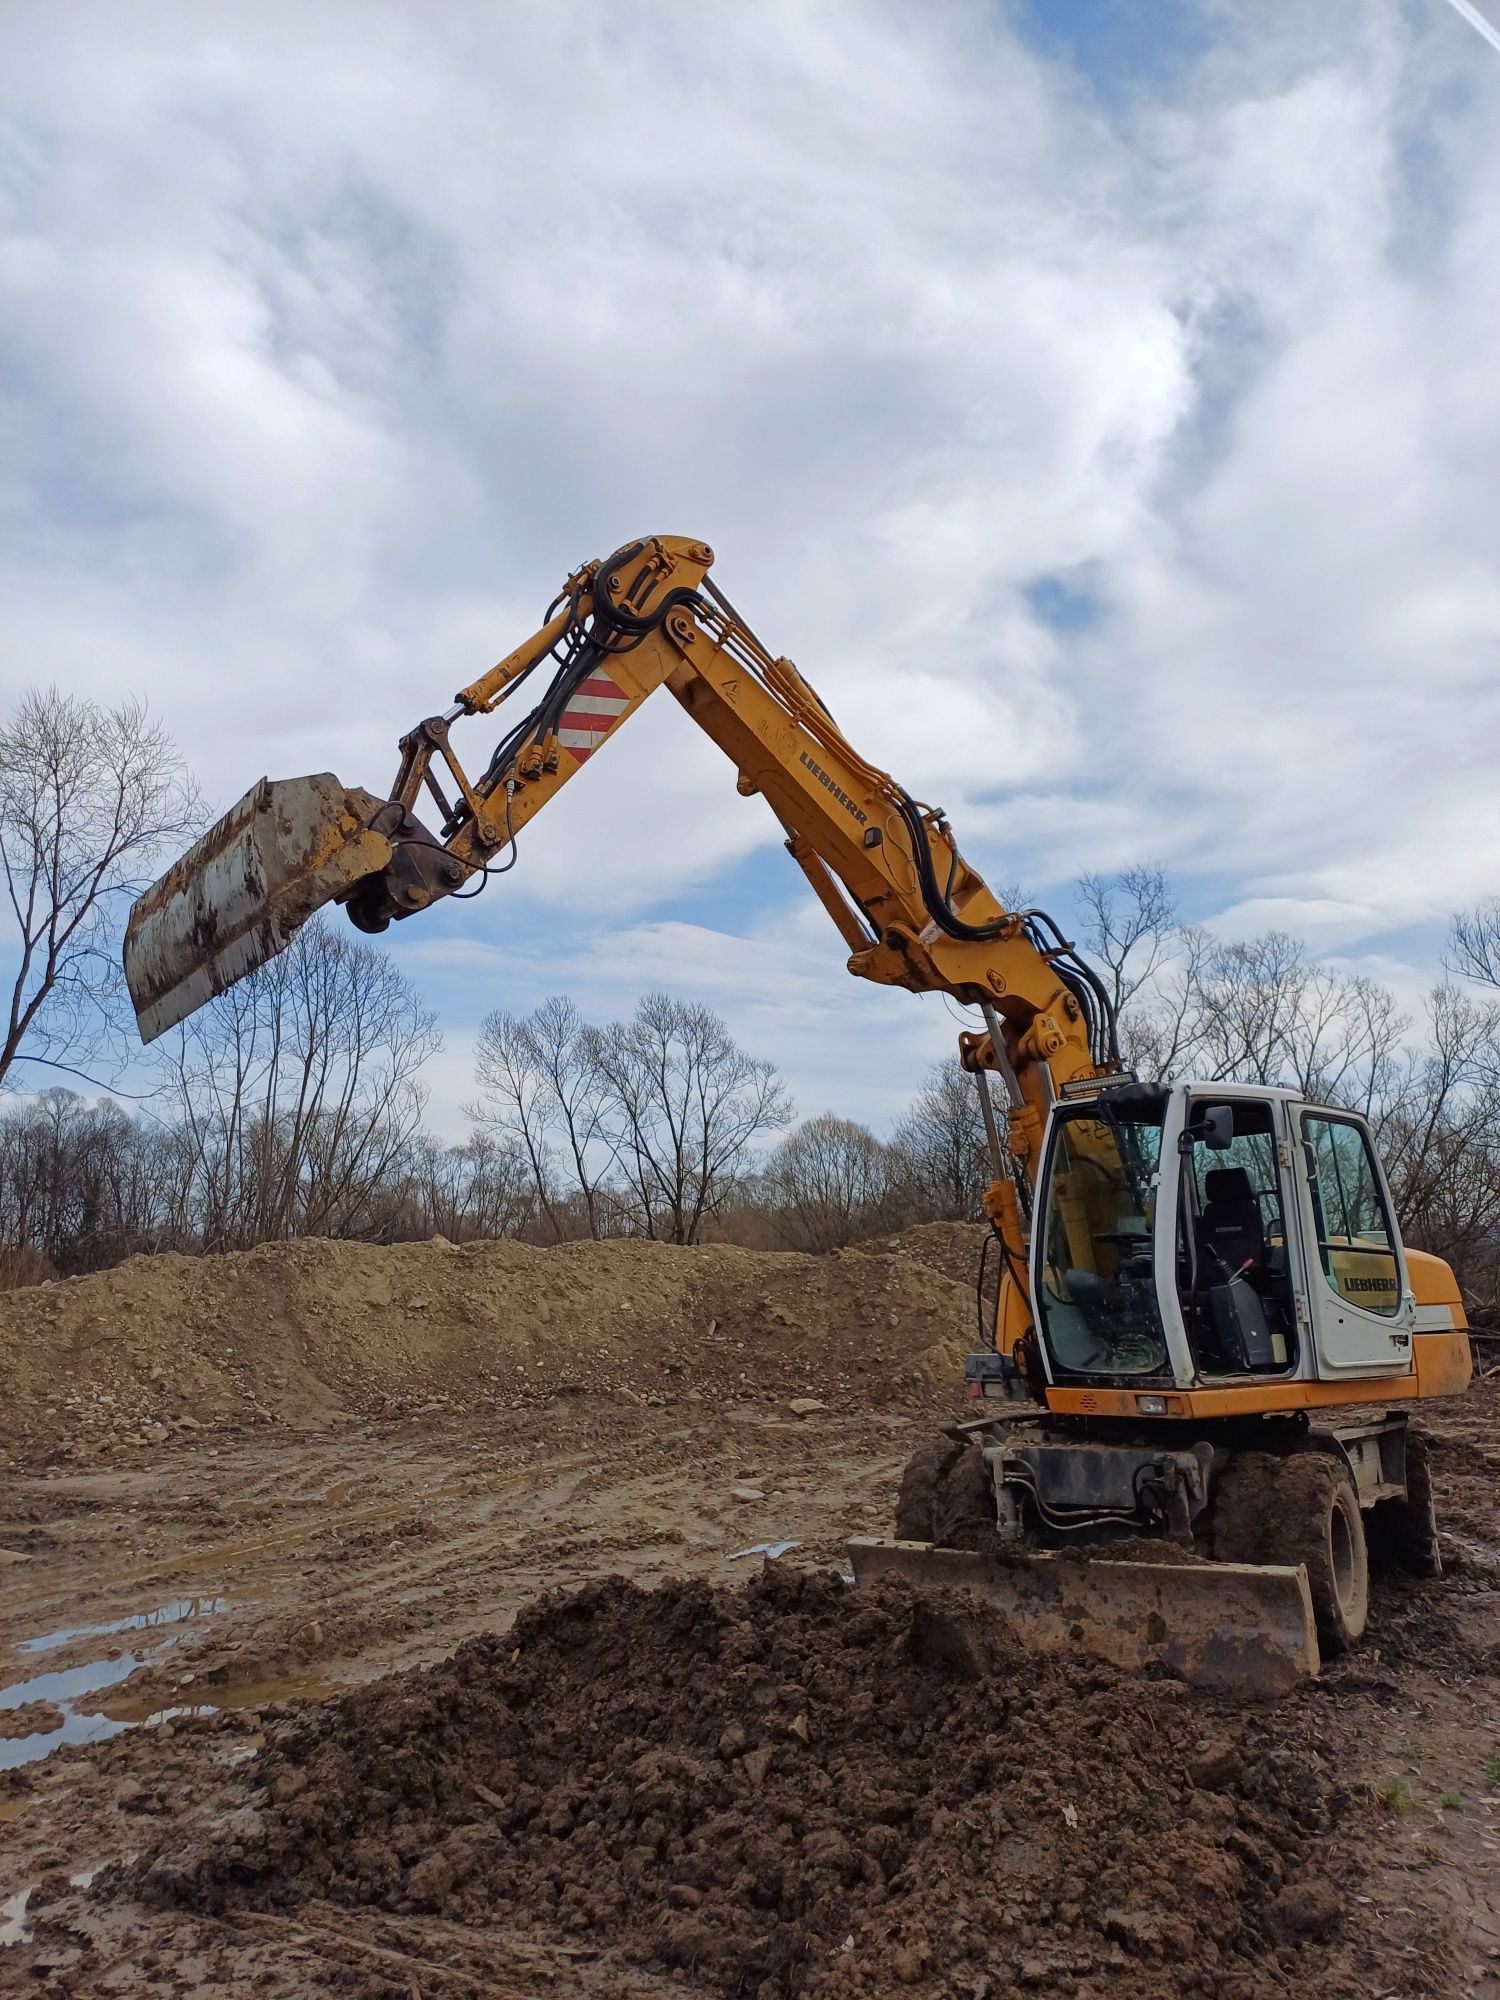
(795, 1789)
(303, 1331)
(1463, 1435)
(951, 1249)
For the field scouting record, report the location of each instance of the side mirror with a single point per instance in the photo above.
(1218, 1128)
(1215, 1128)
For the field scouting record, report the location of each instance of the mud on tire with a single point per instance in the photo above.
(1244, 1507)
(1403, 1534)
(946, 1497)
(1300, 1509)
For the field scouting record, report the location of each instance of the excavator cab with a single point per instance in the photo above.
(1191, 1236)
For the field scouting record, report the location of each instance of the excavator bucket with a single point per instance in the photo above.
(1244, 1627)
(240, 894)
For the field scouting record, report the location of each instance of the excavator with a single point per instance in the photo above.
(1201, 1330)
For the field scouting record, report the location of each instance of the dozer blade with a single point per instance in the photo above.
(1239, 1626)
(240, 894)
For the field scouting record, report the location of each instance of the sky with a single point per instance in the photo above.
(1096, 398)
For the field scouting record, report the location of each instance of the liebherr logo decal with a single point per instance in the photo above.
(828, 785)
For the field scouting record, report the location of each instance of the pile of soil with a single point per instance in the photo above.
(1463, 1438)
(303, 1332)
(795, 1788)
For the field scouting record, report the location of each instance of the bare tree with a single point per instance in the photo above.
(88, 797)
(297, 1090)
(1439, 1128)
(944, 1148)
(684, 1104)
(540, 1086)
(1161, 1024)
(517, 1103)
(83, 1184)
(1130, 928)
(832, 1182)
(1259, 1010)
(479, 1190)
(1474, 943)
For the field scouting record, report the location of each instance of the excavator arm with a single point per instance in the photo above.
(912, 912)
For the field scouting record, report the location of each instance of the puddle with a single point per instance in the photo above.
(113, 1718)
(13, 1919)
(64, 1687)
(68, 1683)
(140, 1712)
(62, 1690)
(180, 1609)
(18, 1750)
(1484, 1553)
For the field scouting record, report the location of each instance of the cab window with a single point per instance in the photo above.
(1232, 1278)
(1356, 1243)
(1097, 1294)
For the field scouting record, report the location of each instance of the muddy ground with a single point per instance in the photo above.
(719, 1774)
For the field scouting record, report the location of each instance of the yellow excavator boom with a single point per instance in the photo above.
(911, 910)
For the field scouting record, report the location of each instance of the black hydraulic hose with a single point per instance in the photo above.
(936, 903)
(1082, 993)
(1014, 1263)
(585, 648)
(614, 618)
(985, 1338)
(1079, 978)
(1085, 971)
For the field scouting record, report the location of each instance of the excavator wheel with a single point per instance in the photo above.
(1403, 1534)
(947, 1497)
(1300, 1509)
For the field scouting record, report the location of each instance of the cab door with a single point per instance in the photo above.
(1358, 1297)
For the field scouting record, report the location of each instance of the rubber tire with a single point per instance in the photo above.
(1300, 1509)
(946, 1497)
(1244, 1507)
(1403, 1534)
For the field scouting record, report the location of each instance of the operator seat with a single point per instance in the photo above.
(1231, 1225)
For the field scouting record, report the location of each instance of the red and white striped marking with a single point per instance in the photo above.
(592, 712)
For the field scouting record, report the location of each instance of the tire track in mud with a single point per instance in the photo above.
(294, 1528)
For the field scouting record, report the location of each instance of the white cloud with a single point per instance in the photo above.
(330, 339)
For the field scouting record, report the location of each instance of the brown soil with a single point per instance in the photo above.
(793, 1789)
(32, 1718)
(690, 1779)
(298, 1332)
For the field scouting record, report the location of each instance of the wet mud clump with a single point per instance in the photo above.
(798, 1788)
